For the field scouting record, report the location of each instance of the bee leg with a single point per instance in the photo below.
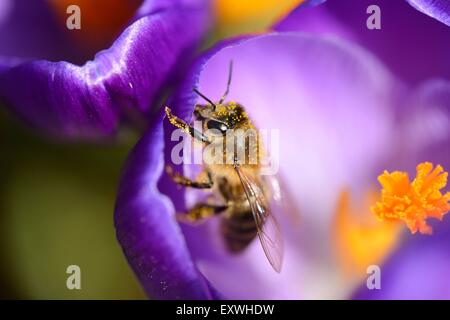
(180, 124)
(200, 212)
(179, 179)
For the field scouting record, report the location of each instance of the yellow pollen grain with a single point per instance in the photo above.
(413, 202)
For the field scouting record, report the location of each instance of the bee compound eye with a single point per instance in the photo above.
(217, 125)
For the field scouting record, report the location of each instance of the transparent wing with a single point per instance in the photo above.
(268, 229)
(281, 199)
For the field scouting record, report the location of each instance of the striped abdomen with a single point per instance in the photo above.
(238, 231)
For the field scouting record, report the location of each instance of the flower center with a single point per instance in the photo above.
(413, 202)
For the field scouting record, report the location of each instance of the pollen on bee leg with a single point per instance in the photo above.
(413, 202)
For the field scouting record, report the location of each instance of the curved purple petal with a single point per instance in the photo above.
(325, 96)
(147, 229)
(438, 9)
(403, 31)
(122, 82)
(170, 263)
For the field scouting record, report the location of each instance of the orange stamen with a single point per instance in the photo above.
(413, 202)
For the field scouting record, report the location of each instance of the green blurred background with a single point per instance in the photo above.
(56, 209)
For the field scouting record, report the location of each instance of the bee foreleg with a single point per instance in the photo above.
(180, 124)
(181, 180)
(200, 212)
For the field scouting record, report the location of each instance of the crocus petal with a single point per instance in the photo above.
(324, 96)
(438, 9)
(147, 230)
(426, 124)
(403, 30)
(170, 262)
(122, 82)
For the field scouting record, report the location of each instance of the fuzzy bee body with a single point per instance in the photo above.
(239, 231)
(238, 226)
(234, 173)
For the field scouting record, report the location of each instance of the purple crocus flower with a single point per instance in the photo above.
(121, 84)
(337, 108)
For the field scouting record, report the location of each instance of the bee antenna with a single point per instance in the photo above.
(204, 97)
(230, 75)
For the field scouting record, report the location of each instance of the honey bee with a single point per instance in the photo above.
(245, 193)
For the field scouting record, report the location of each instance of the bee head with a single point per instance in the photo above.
(221, 117)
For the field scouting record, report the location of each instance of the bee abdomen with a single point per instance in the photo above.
(239, 231)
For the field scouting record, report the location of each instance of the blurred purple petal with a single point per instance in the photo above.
(438, 9)
(425, 125)
(419, 268)
(28, 29)
(324, 96)
(122, 82)
(147, 229)
(403, 31)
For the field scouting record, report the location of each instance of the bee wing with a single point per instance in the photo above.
(268, 229)
(281, 199)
